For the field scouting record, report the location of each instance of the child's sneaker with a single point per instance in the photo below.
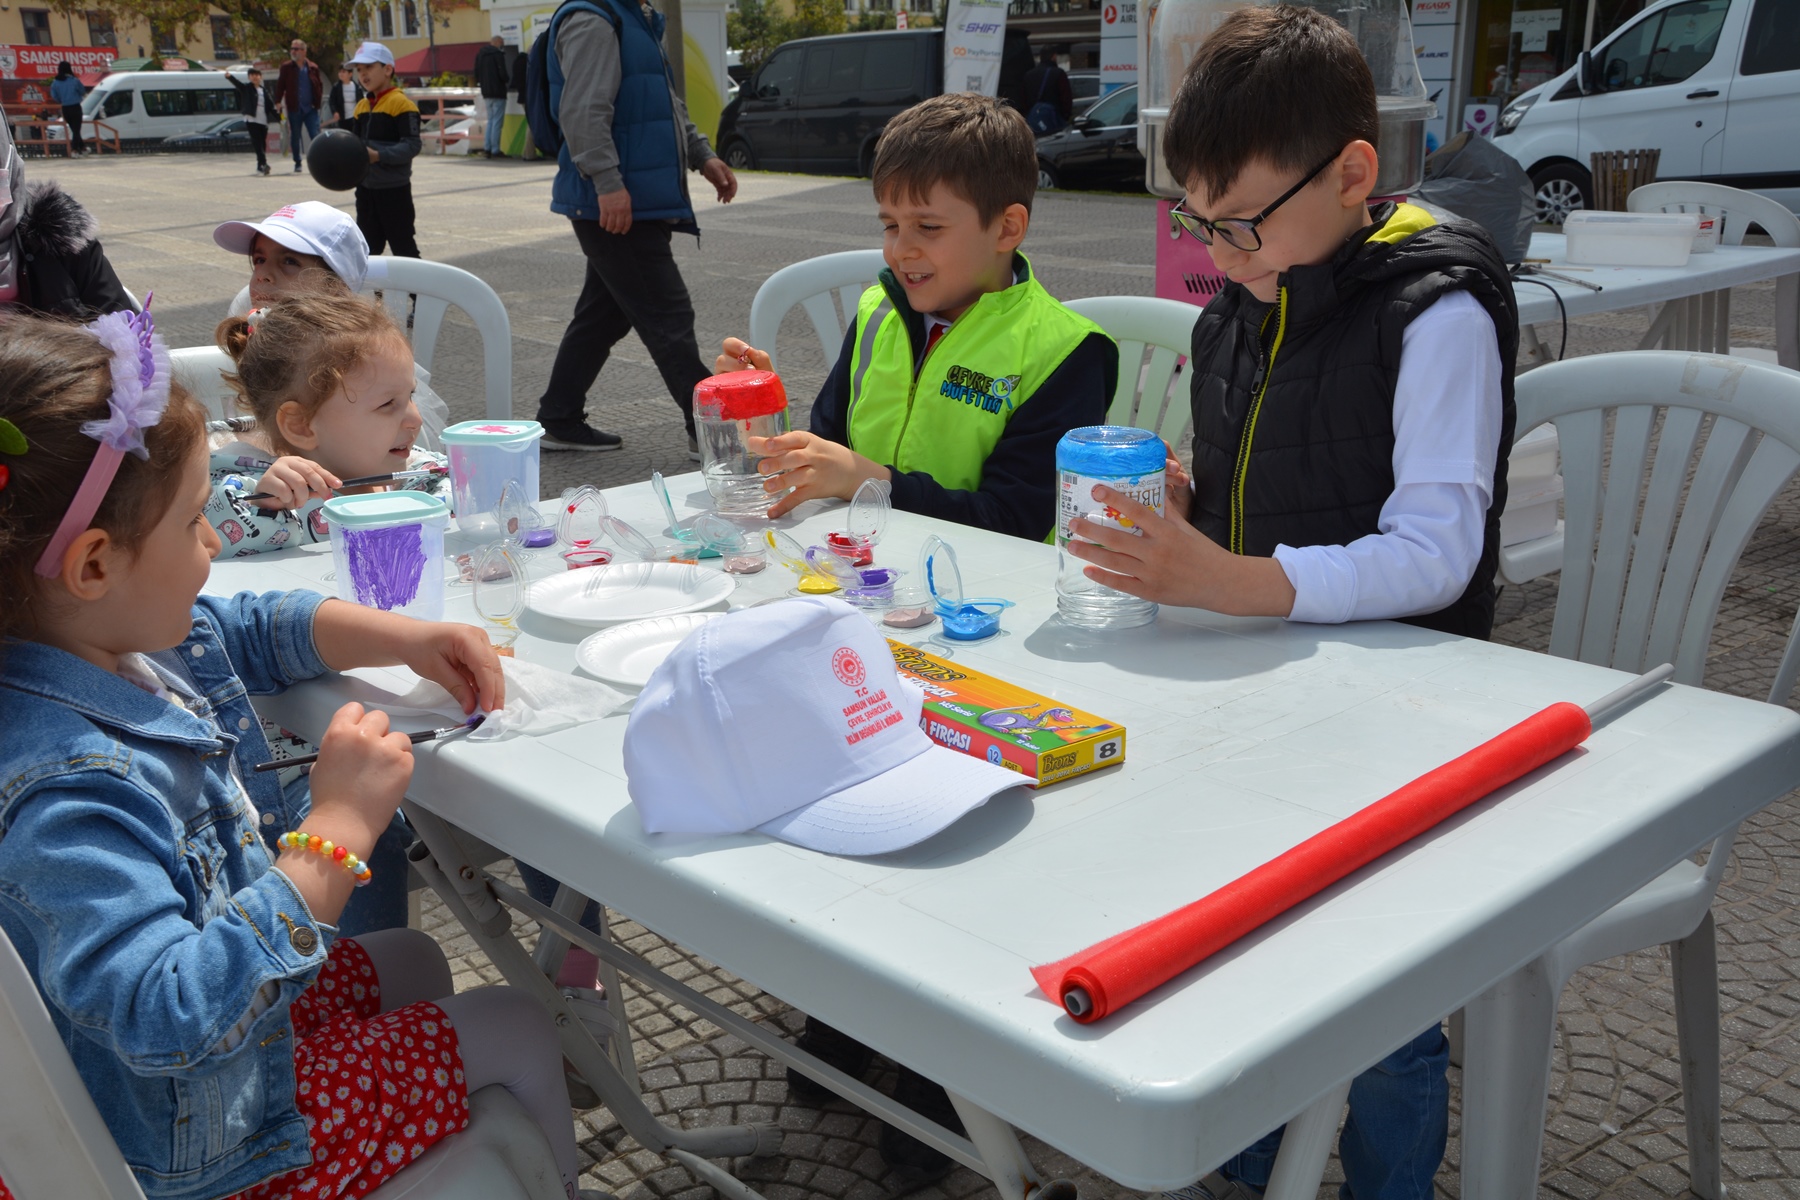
(1214, 1187)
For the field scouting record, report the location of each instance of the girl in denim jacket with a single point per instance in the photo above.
(186, 950)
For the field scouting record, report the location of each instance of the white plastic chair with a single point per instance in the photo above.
(198, 369)
(827, 287)
(437, 286)
(1737, 210)
(1646, 562)
(1146, 396)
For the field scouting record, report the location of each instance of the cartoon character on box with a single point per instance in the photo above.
(1018, 722)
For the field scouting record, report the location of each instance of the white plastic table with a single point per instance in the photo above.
(1702, 322)
(1245, 736)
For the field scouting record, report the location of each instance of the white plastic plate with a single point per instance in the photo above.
(626, 654)
(628, 591)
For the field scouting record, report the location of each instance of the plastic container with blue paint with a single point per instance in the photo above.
(963, 618)
(1127, 460)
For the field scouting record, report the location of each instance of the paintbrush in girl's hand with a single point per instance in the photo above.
(366, 481)
(430, 735)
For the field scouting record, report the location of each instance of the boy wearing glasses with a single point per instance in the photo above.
(1353, 406)
(960, 373)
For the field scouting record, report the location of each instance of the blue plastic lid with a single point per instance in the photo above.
(1111, 450)
(383, 510)
(491, 433)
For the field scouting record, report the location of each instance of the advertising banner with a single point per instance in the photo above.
(973, 36)
(1118, 44)
(39, 62)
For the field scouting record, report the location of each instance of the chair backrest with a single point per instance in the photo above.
(1737, 208)
(198, 368)
(1164, 331)
(53, 1144)
(827, 287)
(438, 286)
(1657, 515)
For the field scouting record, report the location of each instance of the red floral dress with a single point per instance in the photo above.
(377, 1089)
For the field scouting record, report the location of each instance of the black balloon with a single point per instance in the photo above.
(337, 159)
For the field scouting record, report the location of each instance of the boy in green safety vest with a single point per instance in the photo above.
(960, 373)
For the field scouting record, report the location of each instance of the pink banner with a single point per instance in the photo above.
(39, 62)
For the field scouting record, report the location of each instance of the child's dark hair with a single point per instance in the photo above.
(300, 351)
(54, 376)
(1283, 85)
(976, 144)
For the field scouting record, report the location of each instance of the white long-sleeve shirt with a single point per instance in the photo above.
(1447, 403)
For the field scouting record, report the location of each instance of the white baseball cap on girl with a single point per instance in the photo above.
(790, 719)
(309, 227)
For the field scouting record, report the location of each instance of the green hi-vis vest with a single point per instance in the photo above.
(946, 420)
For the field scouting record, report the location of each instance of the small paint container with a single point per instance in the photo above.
(389, 549)
(876, 589)
(598, 556)
(484, 456)
(869, 511)
(965, 619)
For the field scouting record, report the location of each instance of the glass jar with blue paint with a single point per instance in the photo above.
(1127, 460)
(389, 551)
(484, 457)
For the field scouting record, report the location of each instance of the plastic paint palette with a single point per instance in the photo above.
(690, 540)
(865, 587)
(792, 555)
(741, 555)
(870, 508)
(965, 619)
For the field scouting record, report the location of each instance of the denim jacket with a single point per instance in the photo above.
(136, 887)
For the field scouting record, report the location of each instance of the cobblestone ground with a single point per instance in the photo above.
(1616, 1125)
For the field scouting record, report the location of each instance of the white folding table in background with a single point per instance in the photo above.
(1695, 299)
(1245, 737)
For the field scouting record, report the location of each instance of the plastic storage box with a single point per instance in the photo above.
(389, 551)
(1610, 239)
(484, 455)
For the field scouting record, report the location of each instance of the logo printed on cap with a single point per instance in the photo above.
(286, 211)
(847, 665)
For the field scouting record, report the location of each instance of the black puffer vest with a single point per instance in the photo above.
(1293, 403)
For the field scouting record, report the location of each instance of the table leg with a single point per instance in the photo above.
(1007, 1164)
(1507, 1037)
(1305, 1145)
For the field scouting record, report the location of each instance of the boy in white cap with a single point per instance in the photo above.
(388, 123)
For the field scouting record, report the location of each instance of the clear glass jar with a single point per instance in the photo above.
(729, 409)
(1127, 460)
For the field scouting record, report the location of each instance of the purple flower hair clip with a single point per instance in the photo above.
(140, 392)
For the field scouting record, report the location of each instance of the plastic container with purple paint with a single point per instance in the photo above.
(389, 551)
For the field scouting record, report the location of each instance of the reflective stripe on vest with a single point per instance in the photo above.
(946, 419)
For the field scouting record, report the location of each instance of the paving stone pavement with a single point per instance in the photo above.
(1615, 1125)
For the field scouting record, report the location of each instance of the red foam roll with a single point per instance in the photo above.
(1126, 966)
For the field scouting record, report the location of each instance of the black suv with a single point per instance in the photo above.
(819, 104)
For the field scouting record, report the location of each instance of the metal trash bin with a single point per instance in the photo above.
(1618, 172)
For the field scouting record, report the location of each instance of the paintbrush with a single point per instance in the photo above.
(367, 481)
(430, 735)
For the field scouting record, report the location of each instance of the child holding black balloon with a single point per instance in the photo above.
(388, 123)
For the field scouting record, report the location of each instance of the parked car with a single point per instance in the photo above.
(152, 106)
(1098, 149)
(1713, 84)
(1084, 86)
(226, 134)
(819, 104)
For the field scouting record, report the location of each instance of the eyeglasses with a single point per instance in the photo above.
(1237, 231)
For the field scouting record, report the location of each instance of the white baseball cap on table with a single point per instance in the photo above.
(309, 227)
(371, 52)
(790, 719)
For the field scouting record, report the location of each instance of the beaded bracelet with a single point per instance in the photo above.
(312, 843)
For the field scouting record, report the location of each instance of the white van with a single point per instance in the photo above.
(1713, 84)
(148, 106)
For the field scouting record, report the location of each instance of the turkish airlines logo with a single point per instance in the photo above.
(847, 665)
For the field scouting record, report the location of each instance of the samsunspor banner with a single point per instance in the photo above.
(973, 35)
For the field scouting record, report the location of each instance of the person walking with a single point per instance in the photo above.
(257, 103)
(626, 196)
(67, 91)
(301, 89)
(1045, 96)
(491, 76)
(341, 105)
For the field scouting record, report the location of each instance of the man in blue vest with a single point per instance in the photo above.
(621, 179)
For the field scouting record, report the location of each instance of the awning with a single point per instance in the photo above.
(435, 60)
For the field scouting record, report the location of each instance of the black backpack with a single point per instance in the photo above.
(1042, 116)
(546, 134)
